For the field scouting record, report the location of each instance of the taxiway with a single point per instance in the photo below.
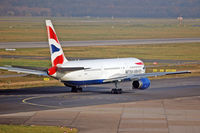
(98, 43)
(55, 97)
(169, 106)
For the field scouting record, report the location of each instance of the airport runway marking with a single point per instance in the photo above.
(41, 105)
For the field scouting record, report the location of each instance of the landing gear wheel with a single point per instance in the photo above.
(79, 89)
(119, 91)
(74, 89)
(116, 91)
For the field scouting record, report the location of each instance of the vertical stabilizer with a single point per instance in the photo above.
(57, 55)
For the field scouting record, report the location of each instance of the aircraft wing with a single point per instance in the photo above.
(39, 70)
(25, 70)
(119, 78)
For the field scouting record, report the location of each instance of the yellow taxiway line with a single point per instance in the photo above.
(41, 105)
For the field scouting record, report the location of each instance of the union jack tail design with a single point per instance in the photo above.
(57, 55)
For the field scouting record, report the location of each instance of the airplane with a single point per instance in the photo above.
(76, 74)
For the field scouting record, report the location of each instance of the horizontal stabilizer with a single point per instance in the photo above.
(23, 70)
(33, 68)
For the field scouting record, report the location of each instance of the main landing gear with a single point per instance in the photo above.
(116, 90)
(76, 89)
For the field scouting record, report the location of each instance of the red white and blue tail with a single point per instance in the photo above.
(57, 55)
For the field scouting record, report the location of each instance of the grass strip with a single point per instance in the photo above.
(183, 51)
(25, 29)
(35, 129)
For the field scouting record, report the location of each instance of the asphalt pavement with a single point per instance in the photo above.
(98, 42)
(55, 97)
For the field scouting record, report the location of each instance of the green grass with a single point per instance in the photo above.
(194, 68)
(38, 81)
(185, 51)
(34, 129)
(33, 29)
(74, 29)
(24, 62)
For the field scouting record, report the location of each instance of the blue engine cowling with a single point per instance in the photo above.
(141, 84)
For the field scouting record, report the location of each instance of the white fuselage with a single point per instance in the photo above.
(100, 69)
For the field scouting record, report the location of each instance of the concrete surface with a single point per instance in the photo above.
(179, 115)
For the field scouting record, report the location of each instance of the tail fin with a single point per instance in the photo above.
(57, 55)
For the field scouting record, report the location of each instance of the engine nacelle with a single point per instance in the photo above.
(141, 84)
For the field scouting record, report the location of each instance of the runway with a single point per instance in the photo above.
(56, 97)
(98, 42)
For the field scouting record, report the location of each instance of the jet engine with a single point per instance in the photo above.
(141, 84)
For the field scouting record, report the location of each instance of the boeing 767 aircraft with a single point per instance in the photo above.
(75, 74)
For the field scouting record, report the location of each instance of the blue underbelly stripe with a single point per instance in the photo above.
(86, 82)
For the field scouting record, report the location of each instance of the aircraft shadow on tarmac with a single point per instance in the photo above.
(93, 90)
(165, 87)
(35, 90)
(57, 90)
